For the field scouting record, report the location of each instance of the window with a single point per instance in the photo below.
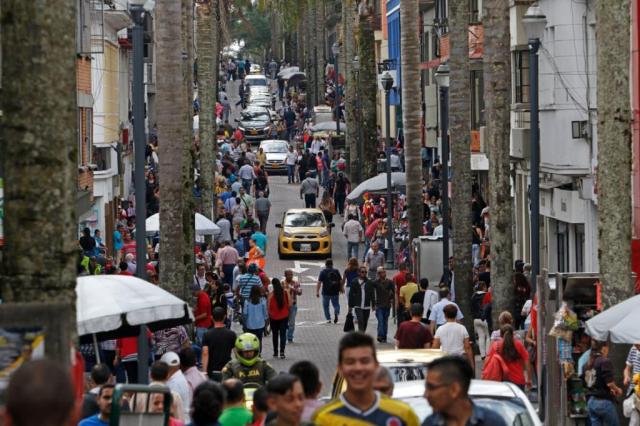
(475, 11)
(477, 99)
(521, 76)
(88, 139)
(80, 133)
(580, 247)
(102, 158)
(562, 238)
(441, 14)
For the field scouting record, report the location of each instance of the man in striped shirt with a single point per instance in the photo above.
(247, 281)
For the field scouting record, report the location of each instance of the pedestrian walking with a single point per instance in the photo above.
(255, 314)
(217, 344)
(263, 208)
(327, 206)
(350, 273)
(341, 188)
(310, 189)
(330, 282)
(286, 400)
(480, 325)
(352, 230)
(226, 260)
(362, 297)
(373, 259)
(290, 161)
(453, 337)
(309, 376)
(447, 391)
(247, 175)
(413, 334)
(515, 357)
(293, 289)
(385, 300)
(279, 304)
(437, 317)
(601, 387)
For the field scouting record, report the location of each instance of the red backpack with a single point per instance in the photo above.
(495, 368)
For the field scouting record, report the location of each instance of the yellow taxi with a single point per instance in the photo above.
(304, 232)
(404, 364)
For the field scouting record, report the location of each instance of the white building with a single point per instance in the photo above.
(568, 140)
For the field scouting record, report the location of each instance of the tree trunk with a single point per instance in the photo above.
(310, 46)
(410, 59)
(368, 89)
(497, 95)
(459, 131)
(39, 152)
(206, 94)
(171, 101)
(300, 40)
(351, 89)
(188, 156)
(321, 42)
(614, 150)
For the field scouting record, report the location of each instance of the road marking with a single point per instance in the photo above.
(298, 269)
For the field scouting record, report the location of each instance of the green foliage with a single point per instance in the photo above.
(254, 28)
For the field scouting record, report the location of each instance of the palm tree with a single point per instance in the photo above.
(321, 42)
(614, 150)
(207, 82)
(497, 95)
(310, 48)
(368, 88)
(40, 119)
(410, 59)
(171, 103)
(351, 87)
(459, 131)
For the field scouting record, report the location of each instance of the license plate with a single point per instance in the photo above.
(275, 165)
(305, 247)
(254, 132)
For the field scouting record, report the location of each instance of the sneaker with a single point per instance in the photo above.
(335, 319)
(275, 354)
(290, 341)
(282, 355)
(328, 321)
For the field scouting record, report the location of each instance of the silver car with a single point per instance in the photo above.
(504, 398)
(276, 151)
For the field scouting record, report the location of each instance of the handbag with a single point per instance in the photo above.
(348, 323)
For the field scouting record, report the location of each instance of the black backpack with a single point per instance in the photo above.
(333, 282)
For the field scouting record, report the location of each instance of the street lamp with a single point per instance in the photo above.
(356, 69)
(335, 49)
(138, 9)
(442, 79)
(534, 22)
(387, 84)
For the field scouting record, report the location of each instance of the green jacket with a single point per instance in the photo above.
(259, 373)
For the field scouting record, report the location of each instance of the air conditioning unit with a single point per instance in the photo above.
(520, 143)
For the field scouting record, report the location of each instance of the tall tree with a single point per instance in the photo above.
(368, 88)
(459, 132)
(320, 49)
(348, 51)
(310, 48)
(300, 24)
(497, 96)
(410, 59)
(171, 102)
(614, 150)
(39, 151)
(207, 79)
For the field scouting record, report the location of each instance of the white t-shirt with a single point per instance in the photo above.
(452, 337)
(352, 231)
(430, 299)
(178, 383)
(291, 158)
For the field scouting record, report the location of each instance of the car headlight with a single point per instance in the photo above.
(324, 234)
(288, 234)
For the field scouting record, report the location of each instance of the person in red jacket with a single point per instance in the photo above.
(202, 313)
(278, 307)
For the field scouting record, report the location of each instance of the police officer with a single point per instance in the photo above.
(248, 367)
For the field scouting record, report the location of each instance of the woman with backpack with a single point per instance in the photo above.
(279, 304)
(601, 387)
(512, 357)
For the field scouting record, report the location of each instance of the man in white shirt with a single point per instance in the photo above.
(437, 317)
(352, 230)
(396, 165)
(177, 382)
(290, 161)
(316, 146)
(452, 337)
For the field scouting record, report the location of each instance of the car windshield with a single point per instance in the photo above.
(255, 115)
(280, 147)
(257, 81)
(302, 219)
(512, 410)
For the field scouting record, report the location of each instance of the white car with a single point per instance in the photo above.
(256, 80)
(276, 151)
(504, 398)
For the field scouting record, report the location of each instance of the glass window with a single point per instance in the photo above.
(521, 76)
(580, 248)
(257, 82)
(281, 147)
(304, 219)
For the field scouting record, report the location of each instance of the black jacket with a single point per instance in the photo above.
(355, 294)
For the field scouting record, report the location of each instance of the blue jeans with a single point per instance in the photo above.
(382, 314)
(602, 412)
(293, 311)
(200, 331)
(290, 169)
(352, 250)
(246, 184)
(335, 301)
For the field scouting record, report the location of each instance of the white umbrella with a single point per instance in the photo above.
(288, 70)
(618, 323)
(328, 126)
(379, 184)
(111, 306)
(204, 226)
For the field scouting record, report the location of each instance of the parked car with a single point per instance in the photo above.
(276, 151)
(304, 232)
(255, 122)
(504, 398)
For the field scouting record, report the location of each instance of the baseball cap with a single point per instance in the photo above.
(171, 359)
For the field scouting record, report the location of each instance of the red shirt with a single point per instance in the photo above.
(276, 312)
(399, 280)
(203, 306)
(515, 373)
(413, 335)
(125, 273)
(130, 248)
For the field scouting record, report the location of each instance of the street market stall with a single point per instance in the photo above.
(204, 226)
